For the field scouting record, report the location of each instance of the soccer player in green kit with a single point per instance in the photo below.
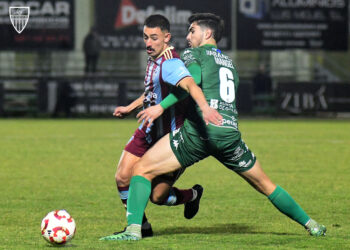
(215, 73)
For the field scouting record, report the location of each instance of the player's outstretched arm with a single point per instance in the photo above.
(210, 115)
(122, 111)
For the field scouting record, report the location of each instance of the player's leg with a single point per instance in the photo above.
(257, 178)
(122, 178)
(281, 199)
(179, 148)
(236, 156)
(156, 161)
(167, 155)
(164, 193)
(124, 174)
(136, 147)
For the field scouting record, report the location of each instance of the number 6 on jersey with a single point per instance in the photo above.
(227, 86)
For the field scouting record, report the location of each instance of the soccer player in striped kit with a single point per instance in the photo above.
(163, 68)
(196, 139)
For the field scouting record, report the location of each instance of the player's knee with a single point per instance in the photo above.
(122, 178)
(157, 199)
(140, 169)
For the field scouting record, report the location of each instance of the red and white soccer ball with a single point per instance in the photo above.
(58, 227)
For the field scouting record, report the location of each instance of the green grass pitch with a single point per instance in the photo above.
(70, 164)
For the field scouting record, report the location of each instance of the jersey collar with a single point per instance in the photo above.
(166, 52)
(208, 46)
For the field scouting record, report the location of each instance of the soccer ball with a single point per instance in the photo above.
(58, 227)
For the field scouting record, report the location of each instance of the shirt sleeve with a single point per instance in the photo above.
(196, 72)
(190, 56)
(173, 70)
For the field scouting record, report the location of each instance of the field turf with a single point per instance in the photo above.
(70, 164)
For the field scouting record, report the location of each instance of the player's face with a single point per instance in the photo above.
(156, 40)
(195, 35)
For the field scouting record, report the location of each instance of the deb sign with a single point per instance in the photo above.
(37, 24)
(120, 22)
(313, 97)
(290, 24)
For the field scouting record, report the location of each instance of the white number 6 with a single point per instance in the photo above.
(227, 86)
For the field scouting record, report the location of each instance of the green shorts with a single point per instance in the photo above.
(190, 148)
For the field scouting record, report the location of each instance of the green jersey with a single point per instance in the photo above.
(219, 83)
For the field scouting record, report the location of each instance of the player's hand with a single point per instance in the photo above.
(121, 111)
(211, 115)
(150, 114)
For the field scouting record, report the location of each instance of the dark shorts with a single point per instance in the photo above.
(190, 148)
(138, 146)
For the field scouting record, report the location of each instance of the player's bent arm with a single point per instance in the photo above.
(176, 95)
(124, 110)
(209, 115)
(196, 72)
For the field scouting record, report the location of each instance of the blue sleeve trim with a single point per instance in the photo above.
(173, 71)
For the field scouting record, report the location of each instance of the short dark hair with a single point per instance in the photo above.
(209, 20)
(157, 20)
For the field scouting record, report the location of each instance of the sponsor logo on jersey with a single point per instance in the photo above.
(228, 122)
(214, 103)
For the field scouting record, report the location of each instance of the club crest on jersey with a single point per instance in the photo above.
(19, 17)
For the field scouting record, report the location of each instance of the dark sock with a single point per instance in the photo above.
(183, 195)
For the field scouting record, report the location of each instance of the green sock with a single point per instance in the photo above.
(139, 192)
(286, 205)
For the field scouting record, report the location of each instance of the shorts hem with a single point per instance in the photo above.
(246, 169)
(133, 153)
